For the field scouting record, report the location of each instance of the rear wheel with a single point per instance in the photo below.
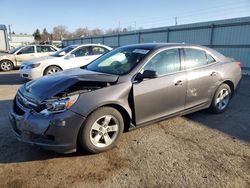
(221, 99)
(101, 130)
(6, 65)
(52, 70)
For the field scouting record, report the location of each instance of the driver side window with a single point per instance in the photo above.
(164, 62)
(84, 51)
(27, 50)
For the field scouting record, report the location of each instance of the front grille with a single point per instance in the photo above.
(23, 104)
(18, 110)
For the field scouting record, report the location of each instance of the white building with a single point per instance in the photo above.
(20, 40)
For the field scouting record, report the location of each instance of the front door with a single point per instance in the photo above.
(81, 57)
(25, 54)
(164, 95)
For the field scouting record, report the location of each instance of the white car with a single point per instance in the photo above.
(15, 57)
(70, 57)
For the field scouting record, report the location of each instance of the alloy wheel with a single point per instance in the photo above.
(222, 99)
(104, 131)
(6, 66)
(53, 70)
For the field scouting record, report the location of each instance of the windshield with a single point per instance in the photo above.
(63, 51)
(119, 61)
(14, 50)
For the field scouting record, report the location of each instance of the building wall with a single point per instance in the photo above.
(19, 40)
(231, 37)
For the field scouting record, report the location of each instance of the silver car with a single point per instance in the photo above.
(127, 88)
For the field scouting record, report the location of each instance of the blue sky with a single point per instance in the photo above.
(27, 15)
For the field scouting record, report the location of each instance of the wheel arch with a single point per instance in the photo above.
(230, 84)
(8, 60)
(126, 114)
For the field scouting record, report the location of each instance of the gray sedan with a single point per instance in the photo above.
(127, 88)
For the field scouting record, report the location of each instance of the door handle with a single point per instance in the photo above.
(213, 74)
(178, 83)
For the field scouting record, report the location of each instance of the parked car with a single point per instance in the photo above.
(16, 56)
(124, 89)
(69, 57)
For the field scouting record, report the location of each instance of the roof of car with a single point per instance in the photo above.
(152, 46)
(76, 45)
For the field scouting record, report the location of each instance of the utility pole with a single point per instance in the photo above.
(119, 26)
(10, 34)
(175, 19)
(135, 26)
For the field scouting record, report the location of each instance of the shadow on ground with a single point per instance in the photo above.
(235, 121)
(11, 78)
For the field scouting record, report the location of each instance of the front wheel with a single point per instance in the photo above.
(221, 99)
(6, 65)
(52, 70)
(101, 130)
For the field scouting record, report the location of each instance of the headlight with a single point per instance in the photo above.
(31, 66)
(59, 105)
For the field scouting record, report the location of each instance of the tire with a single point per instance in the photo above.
(221, 99)
(52, 70)
(96, 136)
(6, 65)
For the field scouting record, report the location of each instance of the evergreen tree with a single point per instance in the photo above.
(37, 35)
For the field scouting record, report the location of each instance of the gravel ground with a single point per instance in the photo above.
(198, 150)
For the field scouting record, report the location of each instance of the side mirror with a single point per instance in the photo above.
(62, 53)
(19, 53)
(147, 74)
(70, 56)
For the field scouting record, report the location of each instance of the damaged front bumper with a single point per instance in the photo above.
(57, 132)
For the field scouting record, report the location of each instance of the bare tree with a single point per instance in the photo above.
(81, 32)
(96, 32)
(60, 32)
(113, 30)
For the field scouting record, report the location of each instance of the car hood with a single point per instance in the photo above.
(39, 60)
(6, 56)
(51, 85)
(3, 53)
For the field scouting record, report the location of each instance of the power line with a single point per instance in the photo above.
(210, 10)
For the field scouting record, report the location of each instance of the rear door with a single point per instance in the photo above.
(202, 77)
(164, 95)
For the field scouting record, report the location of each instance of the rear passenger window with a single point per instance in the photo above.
(96, 50)
(44, 49)
(195, 58)
(164, 62)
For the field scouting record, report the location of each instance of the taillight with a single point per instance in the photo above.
(239, 64)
